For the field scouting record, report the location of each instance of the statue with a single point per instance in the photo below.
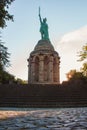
(43, 28)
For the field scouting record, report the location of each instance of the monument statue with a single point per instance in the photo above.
(43, 27)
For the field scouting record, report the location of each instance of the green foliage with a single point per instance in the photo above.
(4, 14)
(74, 76)
(83, 53)
(70, 74)
(83, 57)
(84, 69)
(5, 77)
(4, 56)
(20, 81)
(4, 62)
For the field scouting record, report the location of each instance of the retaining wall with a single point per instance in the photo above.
(43, 95)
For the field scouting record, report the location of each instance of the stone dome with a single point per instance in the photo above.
(44, 45)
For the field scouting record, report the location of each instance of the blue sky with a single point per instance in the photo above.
(67, 21)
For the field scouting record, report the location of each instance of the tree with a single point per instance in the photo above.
(4, 14)
(83, 57)
(84, 69)
(75, 75)
(20, 81)
(83, 53)
(4, 62)
(5, 77)
(70, 74)
(4, 56)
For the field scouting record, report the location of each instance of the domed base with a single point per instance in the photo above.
(44, 45)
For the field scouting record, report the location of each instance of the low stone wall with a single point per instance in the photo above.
(43, 95)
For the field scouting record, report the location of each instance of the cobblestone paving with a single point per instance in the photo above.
(44, 119)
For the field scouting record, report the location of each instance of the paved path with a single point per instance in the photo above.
(44, 119)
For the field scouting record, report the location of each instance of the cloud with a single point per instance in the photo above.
(74, 39)
(68, 47)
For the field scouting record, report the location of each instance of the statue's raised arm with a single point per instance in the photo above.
(40, 16)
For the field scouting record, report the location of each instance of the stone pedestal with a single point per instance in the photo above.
(44, 64)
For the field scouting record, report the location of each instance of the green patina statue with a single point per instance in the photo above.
(43, 28)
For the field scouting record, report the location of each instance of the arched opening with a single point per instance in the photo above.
(46, 68)
(36, 69)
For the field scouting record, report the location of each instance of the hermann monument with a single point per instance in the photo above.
(44, 61)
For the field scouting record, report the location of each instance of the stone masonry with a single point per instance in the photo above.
(43, 64)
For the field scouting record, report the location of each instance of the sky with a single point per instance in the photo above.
(67, 21)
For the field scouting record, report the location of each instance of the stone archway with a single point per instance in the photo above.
(36, 68)
(46, 68)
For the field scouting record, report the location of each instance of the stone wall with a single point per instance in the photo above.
(36, 95)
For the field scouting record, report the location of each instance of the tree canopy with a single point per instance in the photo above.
(5, 77)
(4, 14)
(75, 76)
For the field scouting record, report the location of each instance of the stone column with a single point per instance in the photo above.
(51, 69)
(41, 68)
(57, 70)
(33, 70)
(29, 70)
